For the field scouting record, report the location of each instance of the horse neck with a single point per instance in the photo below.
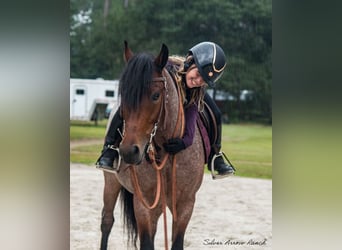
(172, 110)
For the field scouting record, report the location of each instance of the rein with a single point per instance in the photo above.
(178, 132)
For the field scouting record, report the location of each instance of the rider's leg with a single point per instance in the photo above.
(112, 140)
(220, 165)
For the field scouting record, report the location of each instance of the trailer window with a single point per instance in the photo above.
(79, 91)
(109, 93)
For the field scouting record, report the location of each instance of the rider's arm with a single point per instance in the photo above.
(190, 114)
(175, 145)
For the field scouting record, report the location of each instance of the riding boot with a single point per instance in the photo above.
(220, 165)
(110, 153)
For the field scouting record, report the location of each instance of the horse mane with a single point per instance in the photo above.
(135, 79)
(177, 60)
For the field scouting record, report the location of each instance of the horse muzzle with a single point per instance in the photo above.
(132, 154)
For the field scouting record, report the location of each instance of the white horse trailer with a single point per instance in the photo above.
(89, 99)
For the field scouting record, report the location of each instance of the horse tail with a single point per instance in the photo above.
(130, 223)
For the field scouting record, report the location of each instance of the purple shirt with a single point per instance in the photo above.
(190, 114)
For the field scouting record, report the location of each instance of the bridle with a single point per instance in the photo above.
(149, 146)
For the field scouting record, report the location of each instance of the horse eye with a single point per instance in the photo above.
(155, 96)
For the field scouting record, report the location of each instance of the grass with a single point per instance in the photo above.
(248, 146)
(86, 154)
(82, 130)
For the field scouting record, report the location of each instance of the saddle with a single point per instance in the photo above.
(207, 125)
(208, 118)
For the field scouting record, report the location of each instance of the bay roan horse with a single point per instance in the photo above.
(148, 178)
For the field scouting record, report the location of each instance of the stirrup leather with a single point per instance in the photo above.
(217, 176)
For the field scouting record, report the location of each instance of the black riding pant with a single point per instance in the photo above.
(113, 136)
(217, 113)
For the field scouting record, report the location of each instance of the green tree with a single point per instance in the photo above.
(243, 28)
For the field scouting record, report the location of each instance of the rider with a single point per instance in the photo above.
(203, 65)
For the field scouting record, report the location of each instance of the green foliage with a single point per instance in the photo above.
(243, 28)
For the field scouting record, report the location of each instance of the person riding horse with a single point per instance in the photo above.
(203, 66)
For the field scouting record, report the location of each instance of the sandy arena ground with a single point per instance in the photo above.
(230, 213)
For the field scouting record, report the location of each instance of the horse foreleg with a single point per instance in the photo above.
(110, 194)
(147, 221)
(184, 212)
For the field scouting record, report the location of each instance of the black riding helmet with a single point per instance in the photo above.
(210, 61)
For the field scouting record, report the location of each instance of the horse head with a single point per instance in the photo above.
(142, 88)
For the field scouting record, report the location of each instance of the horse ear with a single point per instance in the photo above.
(127, 52)
(162, 58)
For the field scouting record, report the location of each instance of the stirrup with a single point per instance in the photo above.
(116, 163)
(217, 176)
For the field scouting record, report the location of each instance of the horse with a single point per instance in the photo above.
(148, 179)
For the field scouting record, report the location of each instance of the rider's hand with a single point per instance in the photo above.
(174, 145)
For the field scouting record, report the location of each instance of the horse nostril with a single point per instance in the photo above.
(135, 150)
(131, 154)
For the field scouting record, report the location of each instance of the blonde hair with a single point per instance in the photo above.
(196, 94)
